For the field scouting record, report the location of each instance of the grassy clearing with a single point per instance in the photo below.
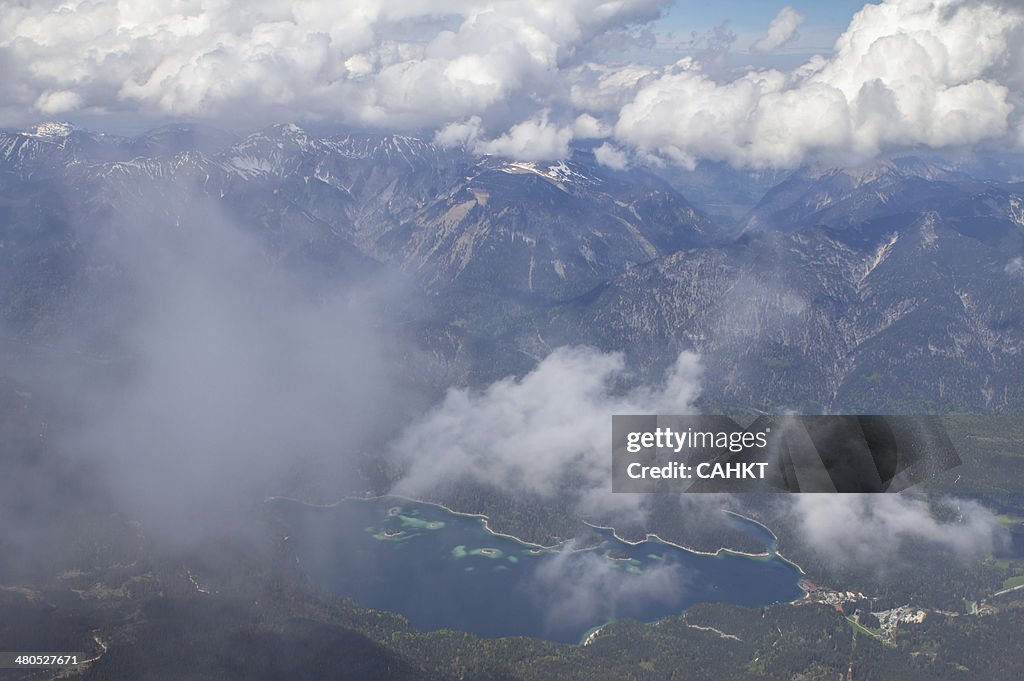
(1013, 582)
(1009, 520)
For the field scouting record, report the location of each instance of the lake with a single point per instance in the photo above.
(445, 570)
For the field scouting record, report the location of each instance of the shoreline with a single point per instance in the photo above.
(483, 518)
(652, 535)
(589, 636)
(764, 527)
(775, 538)
(485, 521)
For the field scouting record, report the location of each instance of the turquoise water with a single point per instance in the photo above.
(444, 570)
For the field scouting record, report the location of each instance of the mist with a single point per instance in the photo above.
(576, 588)
(877, 529)
(206, 370)
(547, 433)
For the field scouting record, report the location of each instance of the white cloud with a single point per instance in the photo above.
(534, 433)
(575, 588)
(58, 102)
(465, 133)
(534, 140)
(781, 30)
(870, 529)
(421, 63)
(601, 88)
(611, 156)
(587, 127)
(906, 74)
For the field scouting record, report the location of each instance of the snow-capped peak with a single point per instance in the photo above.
(51, 131)
(559, 172)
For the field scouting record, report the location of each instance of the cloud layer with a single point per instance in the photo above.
(418, 63)
(514, 78)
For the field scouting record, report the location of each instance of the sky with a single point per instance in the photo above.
(754, 84)
(825, 21)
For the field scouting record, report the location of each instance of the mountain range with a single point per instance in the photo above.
(893, 287)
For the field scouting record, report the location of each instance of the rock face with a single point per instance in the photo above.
(927, 319)
(892, 288)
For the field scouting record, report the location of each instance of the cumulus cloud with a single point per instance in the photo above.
(526, 77)
(460, 134)
(58, 102)
(611, 156)
(604, 88)
(905, 74)
(421, 63)
(871, 529)
(781, 30)
(537, 433)
(587, 127)
(537, 139)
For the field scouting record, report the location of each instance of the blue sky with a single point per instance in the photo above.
(754, 15)
(826, 20)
